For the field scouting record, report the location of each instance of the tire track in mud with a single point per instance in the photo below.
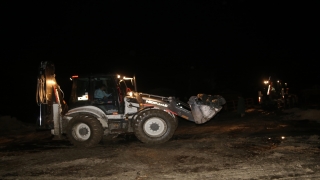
(207, 158)
(226, 150)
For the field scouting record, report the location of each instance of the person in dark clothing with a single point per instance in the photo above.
(241, 106)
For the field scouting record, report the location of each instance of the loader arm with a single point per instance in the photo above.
(199, 109)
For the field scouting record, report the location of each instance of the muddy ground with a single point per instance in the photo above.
(261, 145)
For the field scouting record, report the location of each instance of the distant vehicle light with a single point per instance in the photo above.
(118, 76)
(268, 90)
(75, 76)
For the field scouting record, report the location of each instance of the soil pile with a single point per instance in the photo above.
(301, 114)
(8, 123)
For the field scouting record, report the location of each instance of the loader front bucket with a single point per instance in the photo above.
(204, 107)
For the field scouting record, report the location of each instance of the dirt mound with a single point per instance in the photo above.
(8, 123)
(300, 114)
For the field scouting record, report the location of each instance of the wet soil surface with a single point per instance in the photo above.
(258, 146)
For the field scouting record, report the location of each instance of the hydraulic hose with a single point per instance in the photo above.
(61, 91)
(40, 94)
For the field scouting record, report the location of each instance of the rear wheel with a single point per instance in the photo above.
(154, 126)
(84, 131)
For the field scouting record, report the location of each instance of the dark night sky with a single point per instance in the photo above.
(236, 42)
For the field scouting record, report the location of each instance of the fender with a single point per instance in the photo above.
(171, 113)
(92, 110)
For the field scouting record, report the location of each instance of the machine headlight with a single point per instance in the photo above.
(130, 93)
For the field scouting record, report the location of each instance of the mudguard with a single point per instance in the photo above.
(95, 111)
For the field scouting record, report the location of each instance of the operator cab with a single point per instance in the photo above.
(83, 88)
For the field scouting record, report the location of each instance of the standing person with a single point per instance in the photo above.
(241, 106)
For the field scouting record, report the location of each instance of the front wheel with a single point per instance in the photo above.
(154, 126)
(84, 131)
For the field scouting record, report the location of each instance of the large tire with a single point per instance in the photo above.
(154, 126)
(84, 131)
(175, 119)
(176, 122)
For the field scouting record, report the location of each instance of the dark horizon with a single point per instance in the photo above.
(235, 45)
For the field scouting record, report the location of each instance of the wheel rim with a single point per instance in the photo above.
(81, 132)
(155, 127)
